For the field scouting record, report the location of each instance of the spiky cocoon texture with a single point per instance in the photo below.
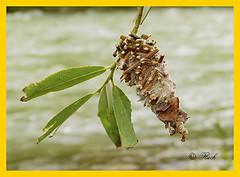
(144, 67)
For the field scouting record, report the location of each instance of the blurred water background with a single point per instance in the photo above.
(198, 43)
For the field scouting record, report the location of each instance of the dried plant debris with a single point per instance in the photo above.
(144, 67)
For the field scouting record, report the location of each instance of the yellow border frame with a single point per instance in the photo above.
(233, 3)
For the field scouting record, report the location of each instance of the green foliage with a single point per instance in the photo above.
(61, 80)
(107, 117)
(62, 116)
(122, 111)
(114, 108)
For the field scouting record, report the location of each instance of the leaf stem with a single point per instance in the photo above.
(110, 76)
(137, 20)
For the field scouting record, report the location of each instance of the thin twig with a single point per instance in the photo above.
(109, 78)
(145, 16)
(137, 21)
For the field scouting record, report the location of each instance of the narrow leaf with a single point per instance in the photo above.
(62, 116)
(146, 11)
(61, 80)
(122, 111)
(106, 114)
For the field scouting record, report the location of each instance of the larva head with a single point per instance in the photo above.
(174, 102)
(182, 116)
(172, 111)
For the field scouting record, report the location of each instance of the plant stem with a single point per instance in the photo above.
(110, 76)
(137, 21)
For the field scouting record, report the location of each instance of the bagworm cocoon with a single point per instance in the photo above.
(144, 67)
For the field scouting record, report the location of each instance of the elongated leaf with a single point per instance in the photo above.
(61, 80)
(62, 116)
(146, 11)
(122, 111)
(106, 114)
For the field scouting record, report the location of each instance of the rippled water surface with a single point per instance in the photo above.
(198, 43)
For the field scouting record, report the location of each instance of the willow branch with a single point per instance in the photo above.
(137, 20)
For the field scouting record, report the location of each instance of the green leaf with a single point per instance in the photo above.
(146, 11)
(106, 114)
(122, 111)
(62, 116)
(61, 80)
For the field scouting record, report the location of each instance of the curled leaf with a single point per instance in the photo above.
(61, 80)
(122, 111)
(106, 114)
(62, 116)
